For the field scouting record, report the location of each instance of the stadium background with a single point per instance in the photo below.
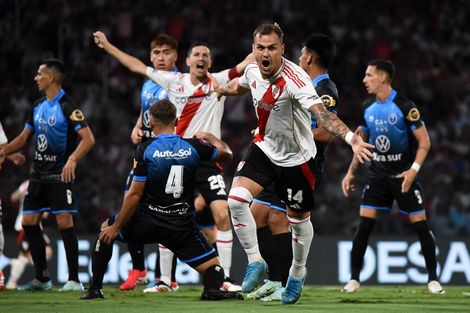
(428, 41)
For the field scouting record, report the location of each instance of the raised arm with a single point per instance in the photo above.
(133, 64)
(233, 88)
(243, 64)
(224, 153)
(334, 125)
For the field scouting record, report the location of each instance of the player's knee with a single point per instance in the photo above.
(239, 199)
(213, 278)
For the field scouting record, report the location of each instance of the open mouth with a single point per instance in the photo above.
(266, 64)
(200, 66)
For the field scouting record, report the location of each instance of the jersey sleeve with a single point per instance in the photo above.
(412, 115)
(3, 137)
(74, 115)
(206, 151)
(304, 92)
(222, 77)
(140, 167)
(30, 120)
(161, 78)
(244, 80)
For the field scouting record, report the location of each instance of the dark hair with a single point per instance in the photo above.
(57, 66)
(267, 29)
(384, 65)
(197, 43)
(163, 39)
(163, 111)
(323, 46)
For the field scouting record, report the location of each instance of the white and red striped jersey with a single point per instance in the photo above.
(281, 104)
(197, 106)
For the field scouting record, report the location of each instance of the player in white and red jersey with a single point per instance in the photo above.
(198, 109)
(283, 152)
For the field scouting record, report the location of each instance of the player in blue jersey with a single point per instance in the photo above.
(393, 124)
(163, 55)
(273, 229)
(56, 122)
(157, 208)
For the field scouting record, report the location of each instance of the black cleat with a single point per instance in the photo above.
(216, 295)
(92, 294)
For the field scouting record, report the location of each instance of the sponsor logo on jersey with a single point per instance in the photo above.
(266, 106)
(413, 115)
(328, 101)
(191, 100)
(254, 85)
(181, 89)
(77, 115)
(182, 153)
(42, 142)
(52, 120)
(146, 119)
(382, 143)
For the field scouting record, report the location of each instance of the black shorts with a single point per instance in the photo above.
(379, 194)
(188, 245)
(56, 197)
(268, 197)
(210, 182)
(293, 185)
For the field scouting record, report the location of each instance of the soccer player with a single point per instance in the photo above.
(393, 123)
(282, 152)
(163, 55)
(18, 159)
(157, 207)
(273, 229)
(57, 123)
(198, 110)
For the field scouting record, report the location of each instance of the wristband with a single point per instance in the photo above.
(416, 166)
(348, 137)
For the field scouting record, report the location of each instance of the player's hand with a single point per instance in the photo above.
(408, 178)
(108, 234)
(348, 183)
(17, 158)
(215, 85)
(136, 135)
(68, 172)
(100, 39)
(361, 148)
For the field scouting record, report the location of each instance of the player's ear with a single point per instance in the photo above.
(282, 49)
(152, 125)
(187, 62)
(176, 122)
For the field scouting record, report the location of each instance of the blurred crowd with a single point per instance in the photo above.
(427, 40)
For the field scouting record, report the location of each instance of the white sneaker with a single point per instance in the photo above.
(230, 285)
(268, 288)
(275, 296)
(72, 286)
(435, 287)
(159, 287)
(352, 286)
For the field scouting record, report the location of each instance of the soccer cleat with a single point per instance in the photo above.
(2, 280)
(161, 287)
(216, 295)
(95, 293)
(267, 289)
(253, 272)
(72, 286)
(435, 287)
(175, 286)
(293, 289)
(230, 285)
(352, 286)
(275, 296)
(36, 285)
(135, 277)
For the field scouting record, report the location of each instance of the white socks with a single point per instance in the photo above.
(244, 224)
(224, 248)
(302, 236)
(166, 264)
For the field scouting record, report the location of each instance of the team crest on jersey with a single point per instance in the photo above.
(392, 119)
(328, 101)
(77, 115)
(240, 166)
(205, 88)
(276, 91)
(52, 120)
(413, 115)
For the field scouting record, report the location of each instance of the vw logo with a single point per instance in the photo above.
(42, 142)
(146, 118)
(382, 143)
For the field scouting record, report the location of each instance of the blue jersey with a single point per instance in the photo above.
(390, 125)
(151, 93)
(168, 166)
(328, 93)
(55, 125)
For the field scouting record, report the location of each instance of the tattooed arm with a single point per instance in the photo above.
(334, 125)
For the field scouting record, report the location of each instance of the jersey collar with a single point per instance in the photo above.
(390, 97)
(318, 79)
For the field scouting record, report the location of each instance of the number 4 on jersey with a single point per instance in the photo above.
(174, 184)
